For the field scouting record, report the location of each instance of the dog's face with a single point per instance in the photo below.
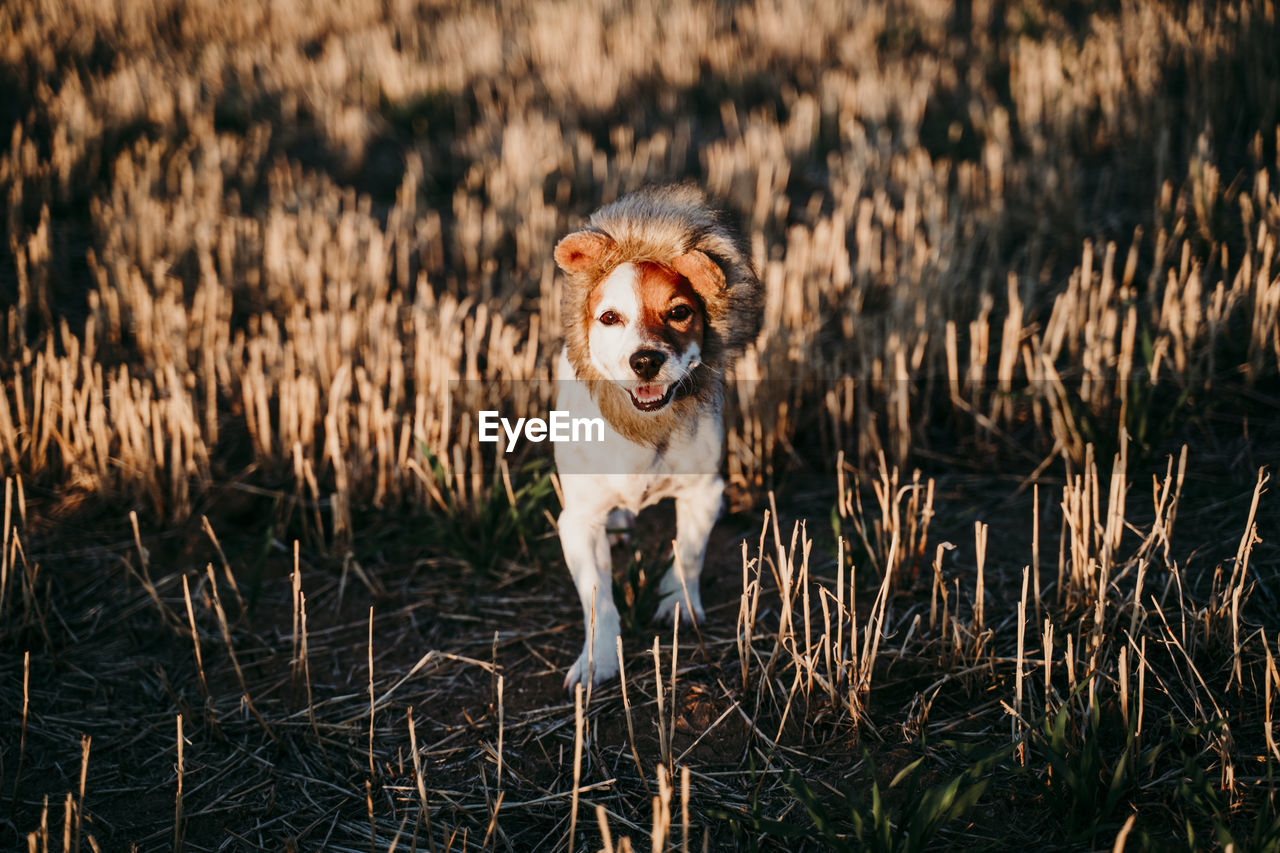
(640, 325)
(646, 331)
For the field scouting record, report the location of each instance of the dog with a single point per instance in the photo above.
(660, 295)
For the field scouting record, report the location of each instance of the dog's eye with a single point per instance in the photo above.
(610, 318)
(680, 313)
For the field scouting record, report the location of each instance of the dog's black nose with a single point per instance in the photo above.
(647, 362)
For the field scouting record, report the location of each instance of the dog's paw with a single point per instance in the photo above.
(583, 673)
(690, 611)
(620, 524)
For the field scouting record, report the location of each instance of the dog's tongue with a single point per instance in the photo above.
(648, 393)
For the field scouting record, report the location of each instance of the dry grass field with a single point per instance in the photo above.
(1000, 565)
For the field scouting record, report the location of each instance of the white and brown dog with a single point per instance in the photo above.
(660, 296)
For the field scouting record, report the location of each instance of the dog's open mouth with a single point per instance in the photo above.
(650, 398)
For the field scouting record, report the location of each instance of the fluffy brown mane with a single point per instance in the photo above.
(674, 226)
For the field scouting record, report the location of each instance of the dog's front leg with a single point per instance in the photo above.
(697, 509)
(586, 551)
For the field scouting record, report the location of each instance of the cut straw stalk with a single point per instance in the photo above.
(195, 642)
(177, 799)
(306, 665)
(661, 831)
(85, 742)
(501, 731)
(684, 808)
(626, 705)
(4, 541)
(419, 782)
(22, 736)
(664, 747)
(675, 655)
(979, 594)
(578, 726)
(1022, 630)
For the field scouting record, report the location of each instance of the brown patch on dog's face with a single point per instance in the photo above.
(670, 309)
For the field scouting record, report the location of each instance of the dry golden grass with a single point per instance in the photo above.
(265, 263)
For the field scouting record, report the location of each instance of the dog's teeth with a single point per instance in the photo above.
(649, 393)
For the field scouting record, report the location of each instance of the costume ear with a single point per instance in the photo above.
(581, 250)
(703, 273)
